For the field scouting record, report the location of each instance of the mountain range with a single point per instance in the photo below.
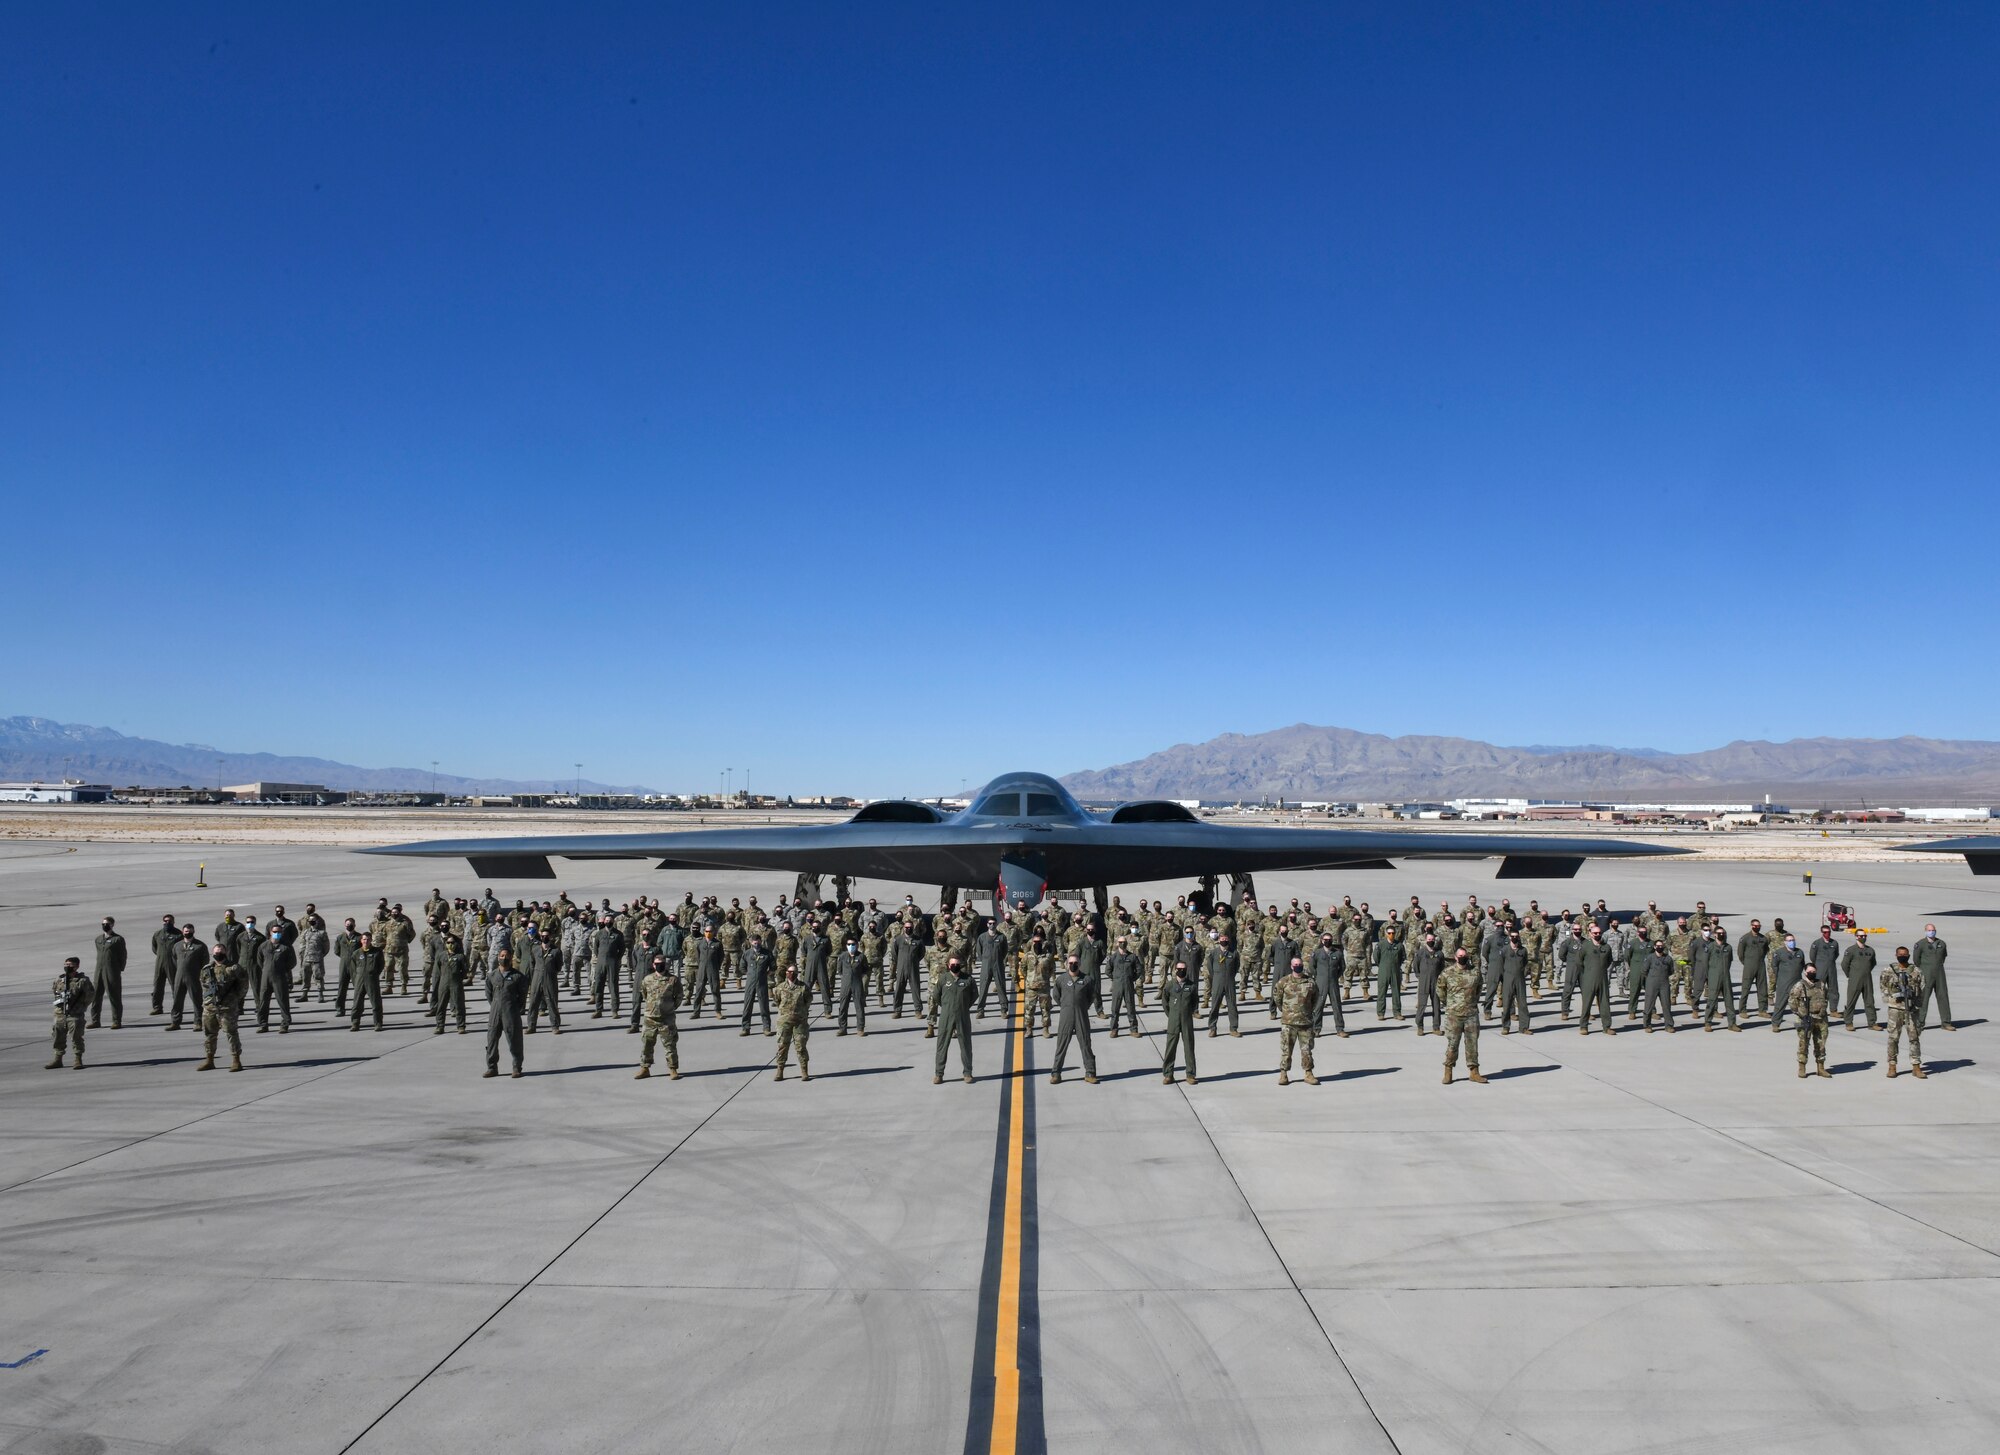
(1339, 764)
(1298, 762)
(33, 748)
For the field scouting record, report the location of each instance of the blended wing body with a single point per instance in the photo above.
(1022, 833)
(1981, 851)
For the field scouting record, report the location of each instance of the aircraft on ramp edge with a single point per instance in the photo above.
(1022, 836)
(1982, 851)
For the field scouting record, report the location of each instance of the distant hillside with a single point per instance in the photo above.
(36, 748)
(1336, 763)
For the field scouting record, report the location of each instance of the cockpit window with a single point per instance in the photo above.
(999, 805)
(1045, 805)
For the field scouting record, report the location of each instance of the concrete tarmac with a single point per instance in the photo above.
(1620, 1244)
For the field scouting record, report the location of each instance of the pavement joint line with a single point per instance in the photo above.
(584, 1232)
(1368, 1404)
(1726, 1136)
(1004, 1412)
(209, 1116)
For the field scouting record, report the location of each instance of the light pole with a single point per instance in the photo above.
(726, 772)
(434, 777)
(579, 780)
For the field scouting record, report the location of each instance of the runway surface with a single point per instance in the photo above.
(1636, 1243)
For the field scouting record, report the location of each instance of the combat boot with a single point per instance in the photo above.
(1474, 1076)
(1802, 1070)
(967, 1078)
(1822, 1071)
(674, 1074)
(1055, 1078)
(209, 1064)
(1311, 1080)
(55, 1065)
(1447, 1076)
(643, 1073)
(1284, 1079)
(1089, 1080)
(781, 1074)
(937, 1080)
(1918, 1072)
(235, 1063)
(1166, 1081)
(1192, 1081)
(804, 1075)
(1892, 1070)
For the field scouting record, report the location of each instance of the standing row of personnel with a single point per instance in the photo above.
(556, 943)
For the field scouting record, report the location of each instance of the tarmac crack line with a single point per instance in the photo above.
(1766, 1152)
(207, 1116)
(1290, 1277)
(582, 1233)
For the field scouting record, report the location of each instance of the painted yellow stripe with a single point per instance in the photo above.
(1007, 1315)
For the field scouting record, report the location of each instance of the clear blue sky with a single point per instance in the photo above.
(878, 397)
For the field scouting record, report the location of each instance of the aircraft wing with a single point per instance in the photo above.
(1121, 854)
(1982, 851)
(1067, 855)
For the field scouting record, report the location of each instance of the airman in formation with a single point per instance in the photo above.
(1050, 967)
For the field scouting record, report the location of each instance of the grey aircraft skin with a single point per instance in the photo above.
(1022, 836)
(1982, 851)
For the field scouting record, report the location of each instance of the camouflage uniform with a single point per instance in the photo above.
(71, 994)
(792, 1000)
(396, 953)
(1298, 1013)
(1680, 950)
(1037, 964)
(1458, 987)
(222, 990)
(1808, 1002)
(1903, 993)
(659, 999)
(936, 959)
